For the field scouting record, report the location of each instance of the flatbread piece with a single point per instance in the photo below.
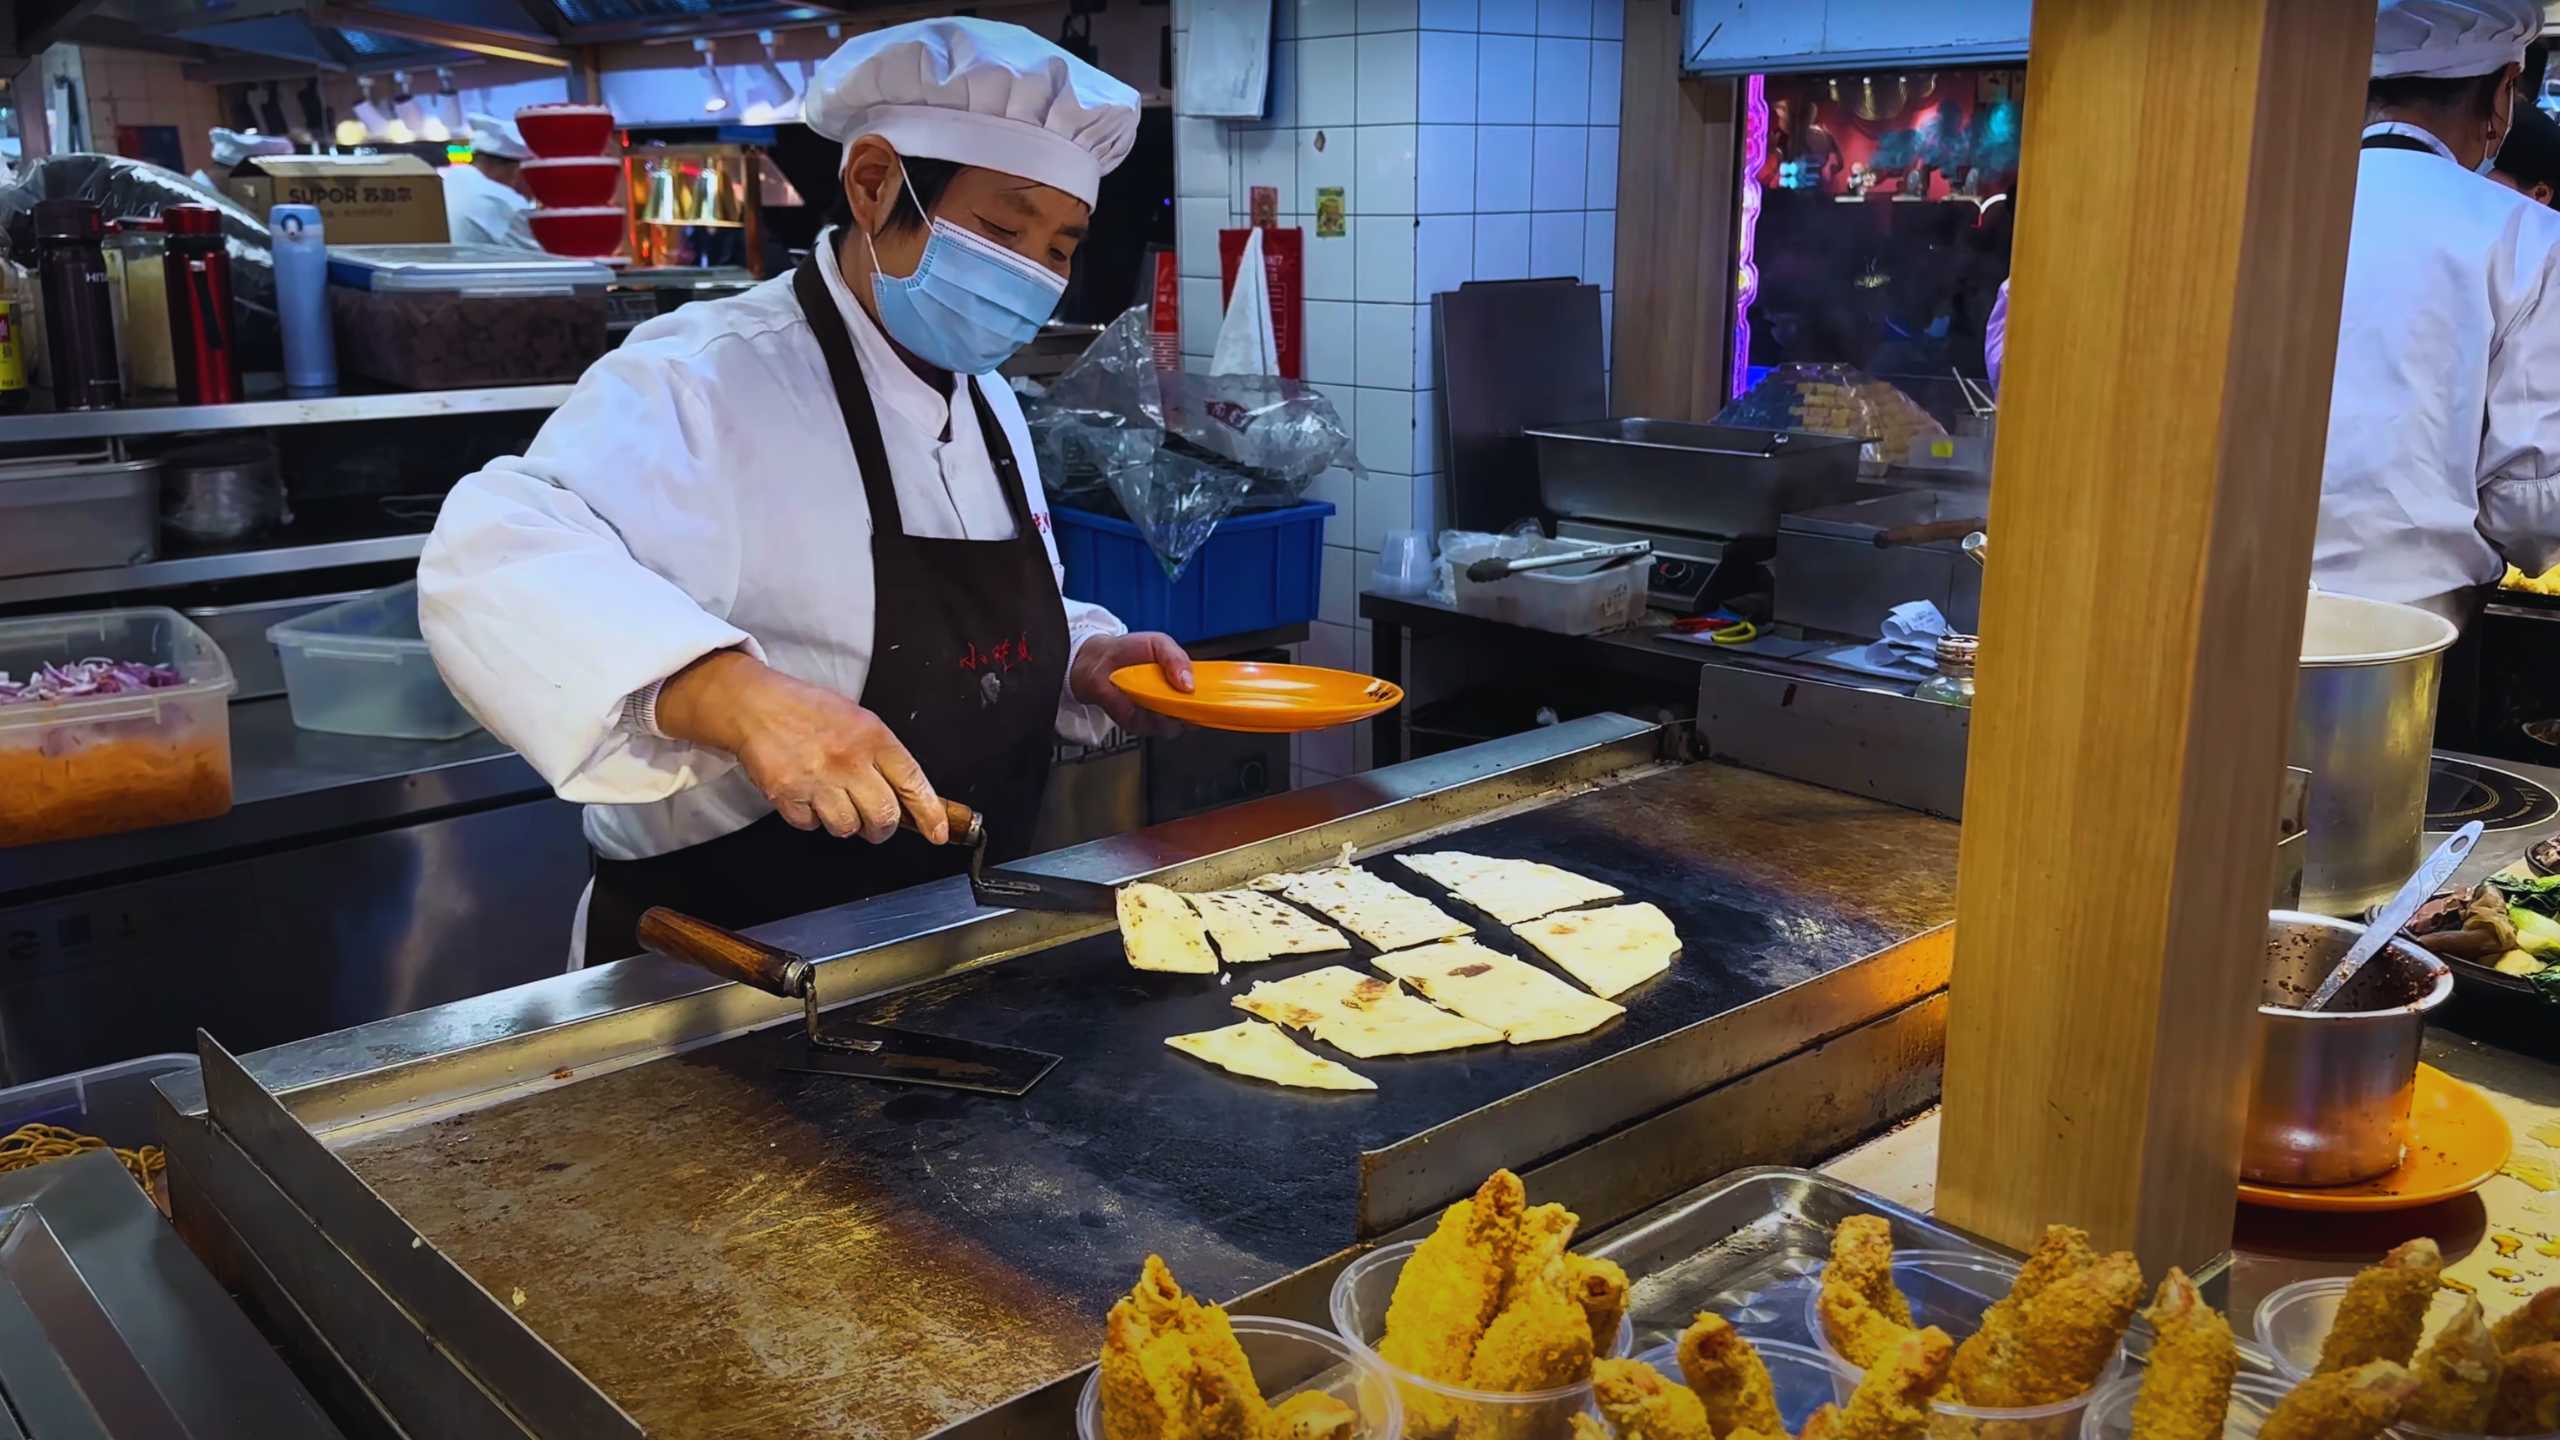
(1160, 931)
(1522, 1001)
(1508, 890)
(1382, 914)
(1362, 1014)
(1611, 950)
(1253, 1049)
(1250, 926)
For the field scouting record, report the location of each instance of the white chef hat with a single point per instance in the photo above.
(978, 92)
(493, 136)
(230, 147)
(2451, 39)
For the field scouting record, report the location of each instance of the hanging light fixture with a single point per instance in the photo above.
(770, 100)
(444, 116)
(406, 109)
(716, 100)
(369, 113)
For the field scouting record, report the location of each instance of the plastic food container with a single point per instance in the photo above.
(1568, 600)
(565, 130)
(1803, 1378)
(1360, 1297)
(573, 181)
(588, 231)
(78, 514)
(2293, 1321)
(113, 1102)
(1286, 1358)
(241, 631)
(420, 315)
(75, 768)
(2110, 1414)
(360, 668)
(1951, 1290)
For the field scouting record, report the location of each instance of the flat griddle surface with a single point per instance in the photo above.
(729, 1249)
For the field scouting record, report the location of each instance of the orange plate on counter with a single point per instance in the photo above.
(2457, 1140)
(1261, 699)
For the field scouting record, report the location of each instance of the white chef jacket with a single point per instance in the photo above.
(2444, 419)
(697, 491)
(480, 211)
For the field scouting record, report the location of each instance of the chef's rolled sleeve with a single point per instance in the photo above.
(542, 618)
(1079, 723)
(2520, 439)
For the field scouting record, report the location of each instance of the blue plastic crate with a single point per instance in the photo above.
(1260, 568)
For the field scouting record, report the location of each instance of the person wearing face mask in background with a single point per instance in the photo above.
(779, 571)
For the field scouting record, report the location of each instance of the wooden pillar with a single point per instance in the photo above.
(2182, 240)
(1674, 263)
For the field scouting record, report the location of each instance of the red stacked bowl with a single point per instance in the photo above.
(572, 178)
(565, 131)
(590, 232)
(564, 182)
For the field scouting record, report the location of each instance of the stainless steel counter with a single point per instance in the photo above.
(271, 407)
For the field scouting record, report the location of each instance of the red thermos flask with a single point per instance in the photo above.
(201, 327)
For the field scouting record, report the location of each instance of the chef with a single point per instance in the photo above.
(779, 571)
(2443, 460)
(2529, 162)
(483, 201)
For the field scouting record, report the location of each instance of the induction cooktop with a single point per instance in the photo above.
(2461, 791)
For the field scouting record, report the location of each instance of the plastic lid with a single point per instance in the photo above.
(542, 161)
(147, 224)
(66, 219)
(192, 219)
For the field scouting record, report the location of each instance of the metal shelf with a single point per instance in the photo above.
(194, 569)
(136, 420)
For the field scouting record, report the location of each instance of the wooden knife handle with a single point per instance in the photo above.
(964, 821)
(724, 953)
(1932, 531)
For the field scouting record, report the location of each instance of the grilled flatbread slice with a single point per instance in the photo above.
(1522, 1001)
(1382, 914)
(1251, 926)
(1612, 949)
(1508, 890)
(1160, 931)
(1253, 1049)
(1361, 1014)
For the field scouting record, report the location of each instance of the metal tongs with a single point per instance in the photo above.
(1495, 567)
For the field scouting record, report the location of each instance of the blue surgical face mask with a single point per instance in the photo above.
(971, 303)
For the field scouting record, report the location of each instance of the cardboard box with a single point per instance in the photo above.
(363, 199)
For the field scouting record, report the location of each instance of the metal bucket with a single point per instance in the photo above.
(2364, 724)
(2331, 1102)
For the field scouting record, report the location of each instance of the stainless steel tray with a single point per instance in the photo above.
(1727, 480)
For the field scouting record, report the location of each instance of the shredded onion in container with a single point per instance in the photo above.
(83, 679)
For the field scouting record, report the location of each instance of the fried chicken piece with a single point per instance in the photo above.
(2061, 1252)
(1540, 1340)
(1822, 1424)
(1539, 1242)
(1452, 1287)
(2356, 1404)
(1586, 1428)
(2528, 1400)
(2457, 1375)
(2062, 1339)
(2536, 1322)
(2186, 1394)
(1314, 1415)
(1644, 1406)
(1892, 1401)
(1600, 1288)
(2385, 1309)
(1172, 1370)
(1729, 1376)
(1862, 1312)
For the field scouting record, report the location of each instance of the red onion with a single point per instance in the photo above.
(84, 679)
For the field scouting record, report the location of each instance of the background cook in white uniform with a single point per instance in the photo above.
(481, 204)
(2443, 462)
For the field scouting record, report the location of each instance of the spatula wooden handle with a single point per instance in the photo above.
(724, 953)
(963, 821)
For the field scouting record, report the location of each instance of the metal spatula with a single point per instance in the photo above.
(1015, 889)
(2386, 924)
(866, 1052)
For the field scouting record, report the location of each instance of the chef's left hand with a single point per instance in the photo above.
(1089, 678)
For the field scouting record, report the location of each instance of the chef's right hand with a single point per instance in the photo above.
(819, 757)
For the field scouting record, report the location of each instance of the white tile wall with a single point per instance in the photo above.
(1502, 247)
(1430, 503)
(1444, 162)
(1270, 157)
(1383, 268)
(1329, 81)
(1200, 315)
(1384, 422)
(1503, 155)
(1386, 503)
(1608, 19)
(1331, 259)
(1558, 155)
(1376, 15)
(1383, 177)
(1426, 432)
(1280, 101)
(1324, 17)
(1506, 79)
(1328, 754)
(1336, 598)
(1200, 156)
(1197, 220)
(1555, 244)
(1384, 359)
(1608, 64)
(1600, 247)
(1446, 84)
(1600, 172)
(1564, 81)
(1444, 248)
(1334, 488)
(1564, 17)
(1324, 160)
(1507, 17)
(1449, 15)
(1329, 341)
(1389, 78)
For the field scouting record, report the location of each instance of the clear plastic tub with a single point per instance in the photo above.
(1568, 600)
(1951, 1290)
(113, 1102)
(2110, 1414)
(77, 514)
(2293, 1321)
(76, 768)
(1286, 1358)
(1803, 1378)
(1360, 1298)
(360, 668)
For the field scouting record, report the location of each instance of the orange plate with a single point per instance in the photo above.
(1262, 699)
(2456, 1142)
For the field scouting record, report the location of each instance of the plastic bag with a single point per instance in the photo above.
(1837, 400)
(122, 188)
(1175, 452)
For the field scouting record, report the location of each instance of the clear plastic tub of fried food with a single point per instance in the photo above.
(2252, 1399)
(1491, 1327)
(1174, 1368)
(1837, 400)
